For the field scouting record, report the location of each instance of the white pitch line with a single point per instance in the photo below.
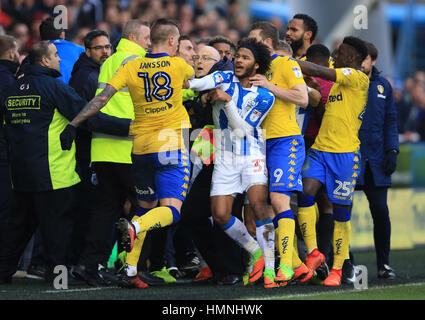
(77, 290)
(300, 295)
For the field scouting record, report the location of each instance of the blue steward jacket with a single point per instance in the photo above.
(378, 133)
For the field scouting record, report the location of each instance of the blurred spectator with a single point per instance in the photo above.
(198, 18)
(201, 42)
(4, 17)
(112, 18)
(234, 35)
(46, 6)
(90, 13)
(35, 22)
(68, 52)
(414, 127)
(22, 34)
(79, 38)
(21, 10)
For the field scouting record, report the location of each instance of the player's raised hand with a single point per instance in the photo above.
(259, 80)
(218, 95)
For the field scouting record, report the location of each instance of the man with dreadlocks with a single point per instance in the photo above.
(239, 108)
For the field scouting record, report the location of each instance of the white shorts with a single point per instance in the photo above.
(236, 174)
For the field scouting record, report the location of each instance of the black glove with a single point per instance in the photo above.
(68, 136)
(390, 162)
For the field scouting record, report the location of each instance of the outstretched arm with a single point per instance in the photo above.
(315, 70)
(68, 135)
(95, 104)
(297, 94)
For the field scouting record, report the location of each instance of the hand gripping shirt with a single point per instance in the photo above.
(155, 84)
(285, 73)
(345, 108)
(252, 104)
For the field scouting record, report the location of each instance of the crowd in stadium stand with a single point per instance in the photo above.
(198, 19)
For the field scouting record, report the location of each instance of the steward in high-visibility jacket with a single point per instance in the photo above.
(111, 162)
(107, 148)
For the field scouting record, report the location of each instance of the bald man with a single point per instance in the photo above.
(205, 59)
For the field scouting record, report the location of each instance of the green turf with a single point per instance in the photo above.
(408, 265)
(399, 292)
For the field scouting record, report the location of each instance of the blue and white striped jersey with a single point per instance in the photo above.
(303, 117)
(252, 105)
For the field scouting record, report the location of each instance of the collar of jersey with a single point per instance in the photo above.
(275, 56)
(157, 55)
(253, 88)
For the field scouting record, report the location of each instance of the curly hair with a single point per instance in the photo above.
(260, 51)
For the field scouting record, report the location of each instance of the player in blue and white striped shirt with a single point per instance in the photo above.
(238, 111)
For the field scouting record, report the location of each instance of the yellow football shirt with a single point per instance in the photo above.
(155, 84)
(285, 72)
(341, 122)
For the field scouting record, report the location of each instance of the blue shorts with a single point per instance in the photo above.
(285, 157)
(161, 175)
(337, 171)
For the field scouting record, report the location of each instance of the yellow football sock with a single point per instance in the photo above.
(341, 243)
(132, 257)
(286, 233)
(307, 222)
(296, 261)
(156, 218)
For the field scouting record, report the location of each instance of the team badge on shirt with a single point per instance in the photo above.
(218, 78)
(255, 115)
(250, 104)
(380, 89)
(347, 71)
(297, 72)
(269, 76)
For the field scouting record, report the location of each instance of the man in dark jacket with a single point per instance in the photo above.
(86, 69)
(38, 107)
(84, 80)
(379, 148)
(9, 63)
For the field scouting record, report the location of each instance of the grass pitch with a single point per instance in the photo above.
(409, 284)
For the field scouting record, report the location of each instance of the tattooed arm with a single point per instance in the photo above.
(68, 135)
(95, 104)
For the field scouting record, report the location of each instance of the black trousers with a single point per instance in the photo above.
(220, 252)
(377, 197)
(52, 212)
(5, 193)
(114, 188)
(85, 200)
